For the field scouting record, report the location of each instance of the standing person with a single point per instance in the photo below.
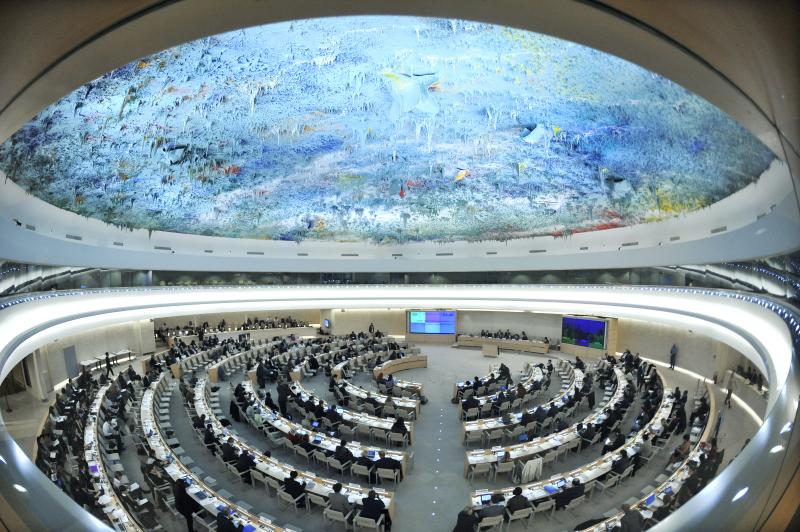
(109, 371)
(673, 355)
(371, 328)
(730, 386)
(283, 397)
(185, 504)
(632, 520)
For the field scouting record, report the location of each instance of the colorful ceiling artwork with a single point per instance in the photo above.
(382, 130)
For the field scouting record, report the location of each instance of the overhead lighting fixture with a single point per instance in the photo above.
(739, 494)
(786, 428)
(777, 449)
(20, 488)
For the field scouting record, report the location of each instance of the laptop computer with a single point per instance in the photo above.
(486, 498)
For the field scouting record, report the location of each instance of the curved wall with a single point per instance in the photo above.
(756, 327)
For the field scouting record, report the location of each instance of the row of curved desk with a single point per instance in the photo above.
(112, 507)
(200, 488)
(567, 438)
(544, 489)
(275, 469)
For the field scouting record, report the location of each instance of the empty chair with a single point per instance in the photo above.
(519, 515)
(493, 435)
(396, 437)
(316, 500)
(257, 476)
(287, 498)
(338, 517)
(473, 436)
(549, 457)
(367, 523)
(471, 414)
(480, 469)
(388, 474)
(490, 522)
(379, 434)
(544, 506)
(274, 484)
(360, 470)
(503, 467)
(337, 465)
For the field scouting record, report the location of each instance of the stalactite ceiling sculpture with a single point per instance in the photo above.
(384, 130)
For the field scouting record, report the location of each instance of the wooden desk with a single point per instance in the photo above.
(407, 362)
(530, 346)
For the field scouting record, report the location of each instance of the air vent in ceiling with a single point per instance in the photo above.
(163, 248)
(349, 254)
(255, 252)
(208, 251)
(302, 254)
(537, 251)
(491, 253)
(75, 237)
(674, 238)
(120, 244)
(627, 244)
(395, 255)
(444, 254)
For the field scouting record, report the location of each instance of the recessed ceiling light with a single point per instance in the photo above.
(739, 494)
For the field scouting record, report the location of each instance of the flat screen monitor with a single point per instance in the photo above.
(486, 499)
(585, 332)
(432, 322)
(326, 323)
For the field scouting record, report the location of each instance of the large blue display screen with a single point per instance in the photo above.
(583, 332)
(438, 322)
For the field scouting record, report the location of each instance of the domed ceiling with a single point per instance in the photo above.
(383, 130)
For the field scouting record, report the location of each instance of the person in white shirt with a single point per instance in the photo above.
(111, 432)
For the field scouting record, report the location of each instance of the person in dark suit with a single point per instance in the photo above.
(466, 521)
(343, 454)
(184, 503)
(224, 521)
(295, 488)
(517, 502)
(234, 410)
(229, 453)
(364, 460)
(210, 440)
(570, 493)
(470, 402)
(384, 462)
(399, 426)
(109, 371)
(539, 414)
(614, 441)
(527, 417)
(245, 463)
(586, 432)
(632, 520)
(619, 465)
(373, 508)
